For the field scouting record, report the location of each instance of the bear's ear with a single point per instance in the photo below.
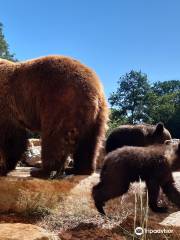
(168, 142)
(159, 128)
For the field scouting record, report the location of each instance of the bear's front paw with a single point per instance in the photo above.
(99, 206)
(39, 173)
(159, 209)
(3, 172)
(70, 171)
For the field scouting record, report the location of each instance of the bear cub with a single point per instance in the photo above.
(137, 135)
(153, 164)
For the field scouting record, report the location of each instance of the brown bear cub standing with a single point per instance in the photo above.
(61, 99)
(137, 135)
(153, 164)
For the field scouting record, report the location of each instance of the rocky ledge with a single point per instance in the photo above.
(17, 231)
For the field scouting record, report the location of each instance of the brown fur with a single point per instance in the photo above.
(63, 100)
(127, 164)
(137, 135)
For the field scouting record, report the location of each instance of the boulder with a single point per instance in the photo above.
(17, 231)
(34, 142)
(172, 220)
(32, 156)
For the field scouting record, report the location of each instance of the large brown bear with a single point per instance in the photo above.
(61, 99)
(153, 164)
(137, 135)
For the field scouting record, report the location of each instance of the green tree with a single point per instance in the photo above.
(163, 103)
(116, 119)
(174, 123)
(136, 101)
(130, 98)
(161, 108)
(166, 87)
(4, 47)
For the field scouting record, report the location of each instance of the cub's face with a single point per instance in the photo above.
(173, 149)
(160, 134)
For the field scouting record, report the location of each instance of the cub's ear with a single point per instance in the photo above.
(159, 128)
(168, 142)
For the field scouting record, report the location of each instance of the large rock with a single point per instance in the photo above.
(34, 142)
(172, 220)
(20, 231)
(32, 157)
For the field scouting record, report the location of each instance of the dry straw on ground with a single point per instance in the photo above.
(65, 207)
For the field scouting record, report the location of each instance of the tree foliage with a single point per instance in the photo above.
(174, 123)
(116, 119)
(4, 47)
(130, 97)
(166, 87)
(135, 100)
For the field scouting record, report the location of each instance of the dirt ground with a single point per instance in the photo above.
(74, 215)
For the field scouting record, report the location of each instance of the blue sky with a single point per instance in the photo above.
(110, 36)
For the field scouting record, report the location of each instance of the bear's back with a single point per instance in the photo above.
(138, 161)
(126, 135)
(60, 68)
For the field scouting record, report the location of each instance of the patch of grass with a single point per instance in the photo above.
(36, 203)
(65, 207)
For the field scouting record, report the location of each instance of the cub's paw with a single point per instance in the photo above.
(70, 171)
(159, 209)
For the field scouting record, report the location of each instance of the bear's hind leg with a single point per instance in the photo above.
(153, 192)
(54, 153)
(14, 145)
(87, 151)
(106, 190)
